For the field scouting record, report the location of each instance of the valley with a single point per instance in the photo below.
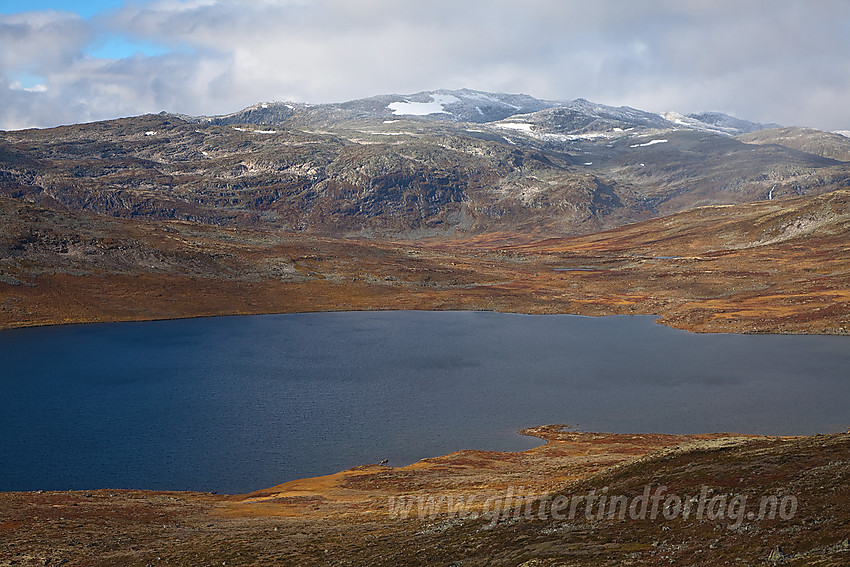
(779, 266)
(440, 200)
(480, 201)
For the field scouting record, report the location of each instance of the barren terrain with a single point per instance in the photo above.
(781, 266)
(294, 208)
(352, 518)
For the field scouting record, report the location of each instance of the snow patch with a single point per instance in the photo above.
(150, 133)
(676, 118)
(255, 131)
(845, 133)
(525, 127)
(649, 143)
(588, 163)
(484, 96)
(436, 106)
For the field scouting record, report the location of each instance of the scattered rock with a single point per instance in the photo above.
(777, 555)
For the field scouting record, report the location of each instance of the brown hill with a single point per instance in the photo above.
(816, 142)
(750, 501)
(406, 179)
(776, 266)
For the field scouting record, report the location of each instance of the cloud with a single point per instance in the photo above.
(40, 41)
(769, 60)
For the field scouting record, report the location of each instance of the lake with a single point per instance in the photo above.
(235, 404)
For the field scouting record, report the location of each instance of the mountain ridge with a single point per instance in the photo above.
(360, 169)
(468, 105)
(344, 210)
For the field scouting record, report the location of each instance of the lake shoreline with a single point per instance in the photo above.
(6, 325)
(557, 440)
(691, 282)
(501, 500)
(320, 392)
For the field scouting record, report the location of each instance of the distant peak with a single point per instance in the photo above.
(476, 106)
(720, 122)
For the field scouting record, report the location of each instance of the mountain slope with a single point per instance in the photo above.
(716, 122)
(424, 183)
(463, 105)
(477, 107)
(824, 144)
(358, 168)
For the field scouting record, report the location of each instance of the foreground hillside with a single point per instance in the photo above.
(775, 266)
(751, 501)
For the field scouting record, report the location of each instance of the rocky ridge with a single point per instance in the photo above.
(474, 163)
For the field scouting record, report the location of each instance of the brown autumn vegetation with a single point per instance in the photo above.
(781, 266)
(104, 223)
(347, 518)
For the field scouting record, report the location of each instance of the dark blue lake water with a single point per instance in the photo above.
(235, 404)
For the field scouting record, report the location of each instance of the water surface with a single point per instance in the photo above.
(235, 404)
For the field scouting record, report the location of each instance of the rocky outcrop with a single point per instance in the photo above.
(573, 169)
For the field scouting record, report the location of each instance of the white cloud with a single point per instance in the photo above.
(41, 41)
(767, 60)
(17, 86)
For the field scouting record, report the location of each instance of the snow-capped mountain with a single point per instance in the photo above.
(467, 105)
(431, 163)
(463, 105)
(716, 122)
(516, 111)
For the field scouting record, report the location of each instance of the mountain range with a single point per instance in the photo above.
(442, 200)
(438, 200)
(478, 107)
(439, 163)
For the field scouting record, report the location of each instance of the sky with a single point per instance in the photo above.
(71, 61)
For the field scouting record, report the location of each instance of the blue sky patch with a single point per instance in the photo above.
(27, 80)
(85, 8)
(120, 47)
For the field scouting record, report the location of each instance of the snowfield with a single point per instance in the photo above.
(523, 126)
(649, 143)
(254, 131)
(436, 106)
